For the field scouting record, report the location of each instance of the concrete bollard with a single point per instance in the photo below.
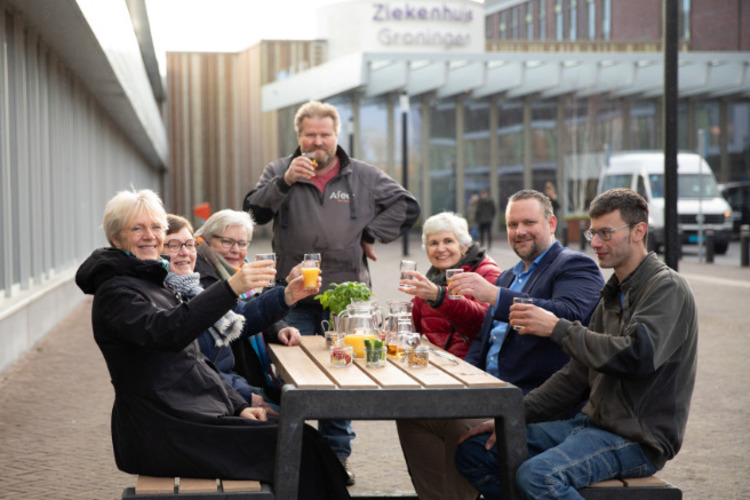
(745, 245)
(708, 245)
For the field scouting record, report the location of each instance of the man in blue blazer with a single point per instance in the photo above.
(562, 281)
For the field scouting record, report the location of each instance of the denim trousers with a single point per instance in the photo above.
(564, 455)
(337, 433)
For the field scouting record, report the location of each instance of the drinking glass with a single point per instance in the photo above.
(449, 274)
(310, 273)
(407, 265)
(521, 300)
(267, 256)
(312, 256)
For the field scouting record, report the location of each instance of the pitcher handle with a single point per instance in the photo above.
(326, 325)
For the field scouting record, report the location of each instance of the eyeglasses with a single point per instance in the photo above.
(229, 242)
(603, 234)
(175, 246)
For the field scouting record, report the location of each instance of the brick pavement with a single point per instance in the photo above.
(55, 403)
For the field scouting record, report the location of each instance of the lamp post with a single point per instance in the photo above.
(404, 104)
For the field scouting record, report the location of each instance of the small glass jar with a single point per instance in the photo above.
(341, 356)
(375, 357)
(417, 357)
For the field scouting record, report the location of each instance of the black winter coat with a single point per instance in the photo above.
(173, 413)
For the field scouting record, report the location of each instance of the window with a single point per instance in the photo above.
(559, 25)
(592, 19)
(573, 19)
(606, 19)
(529, 22)
(542, 16)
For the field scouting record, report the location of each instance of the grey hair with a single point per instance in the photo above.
(223, 219)
(447, 221)
(128, 204)
(317, 109)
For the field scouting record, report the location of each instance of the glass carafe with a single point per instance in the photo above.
(358, 324)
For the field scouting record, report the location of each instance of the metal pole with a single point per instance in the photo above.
(404, 102)
(745, 245)
(702, 154)
(670, 111)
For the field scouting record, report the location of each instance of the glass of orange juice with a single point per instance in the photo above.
(310, 273)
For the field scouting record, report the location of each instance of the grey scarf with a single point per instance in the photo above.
(228, 328)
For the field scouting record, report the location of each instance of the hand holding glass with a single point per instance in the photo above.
(521, 300)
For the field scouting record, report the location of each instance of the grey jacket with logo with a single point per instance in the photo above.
(638, 371)
(360, 203)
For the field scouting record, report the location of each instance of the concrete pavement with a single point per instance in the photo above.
(56, 400)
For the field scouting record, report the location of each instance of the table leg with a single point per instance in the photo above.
(512, 450)
(288, 447)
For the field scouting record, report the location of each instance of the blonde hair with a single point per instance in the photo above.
(126, 205)
(317, 109)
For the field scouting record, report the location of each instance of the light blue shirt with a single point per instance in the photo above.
(500, 328)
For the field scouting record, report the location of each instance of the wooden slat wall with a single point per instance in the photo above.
(219, 138)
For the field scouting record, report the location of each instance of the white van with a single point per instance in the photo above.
(697, 192)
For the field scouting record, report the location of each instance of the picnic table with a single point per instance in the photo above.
(447, 387)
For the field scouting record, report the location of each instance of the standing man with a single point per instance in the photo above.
(485, 215)
(636, 364)
(558, 279)
(322, 201)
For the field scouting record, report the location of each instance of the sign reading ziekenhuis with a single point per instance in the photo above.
(405, 26)
(439, 25)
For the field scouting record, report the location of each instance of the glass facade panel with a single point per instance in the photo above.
(443, 156)
(476, 146)
(643, 125)
(510, 149)
(738, 140)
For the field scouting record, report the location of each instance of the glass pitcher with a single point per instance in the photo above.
(357, 323)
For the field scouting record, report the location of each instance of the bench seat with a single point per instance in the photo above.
(159, 488)
(642, 488)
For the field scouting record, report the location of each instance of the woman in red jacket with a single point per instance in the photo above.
(450, 324)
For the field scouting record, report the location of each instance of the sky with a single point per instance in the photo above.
(228, 25)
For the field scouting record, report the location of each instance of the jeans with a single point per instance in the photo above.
(337, 433)
(563, 456)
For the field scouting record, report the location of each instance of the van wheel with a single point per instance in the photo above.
(720, 247)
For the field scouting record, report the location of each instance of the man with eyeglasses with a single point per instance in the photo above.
(323, 201)
(635, 363)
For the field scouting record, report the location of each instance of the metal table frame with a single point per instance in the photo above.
(502, 403)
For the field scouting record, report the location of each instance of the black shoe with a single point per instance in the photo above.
(349, 473)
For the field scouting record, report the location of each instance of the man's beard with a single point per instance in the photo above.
(532, 253)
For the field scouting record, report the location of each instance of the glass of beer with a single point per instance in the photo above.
(314, 161)
(449, 274)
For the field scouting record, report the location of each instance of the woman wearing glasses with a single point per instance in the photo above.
(247, 318)
(223, 241)
(173, 414)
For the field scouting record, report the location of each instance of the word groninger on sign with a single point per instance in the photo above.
(434, 16)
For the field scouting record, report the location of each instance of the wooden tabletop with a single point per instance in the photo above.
(308, 366)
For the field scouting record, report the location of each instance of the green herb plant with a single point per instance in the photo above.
(340, 295)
